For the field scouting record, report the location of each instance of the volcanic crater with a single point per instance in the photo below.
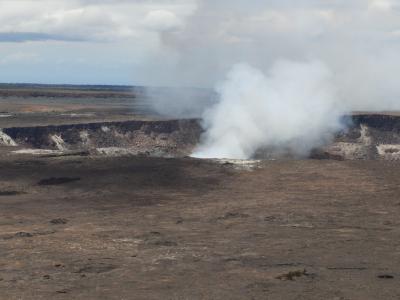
(99, 201)
(367, 136)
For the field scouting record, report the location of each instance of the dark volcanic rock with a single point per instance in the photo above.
(58, 180)
(59, 221)
(158, 138)
(10, 193)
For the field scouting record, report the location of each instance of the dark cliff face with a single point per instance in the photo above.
(371, 136)
(368, 136)
(164, 138)
(382, 129)
(379, 122)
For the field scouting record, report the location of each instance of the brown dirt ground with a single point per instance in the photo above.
(146, 228)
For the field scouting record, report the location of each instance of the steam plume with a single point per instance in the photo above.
(294, 107)
(339, 57)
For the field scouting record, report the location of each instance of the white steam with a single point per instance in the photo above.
(287, 106)
(292, 107)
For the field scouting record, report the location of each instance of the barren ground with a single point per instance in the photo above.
(140, 228)
(152, 228)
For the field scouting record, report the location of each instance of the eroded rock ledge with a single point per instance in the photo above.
(171, 138)
(368, 136)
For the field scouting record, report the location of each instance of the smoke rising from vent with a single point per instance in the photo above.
(305, 64)
(180, 102)
(293, 107)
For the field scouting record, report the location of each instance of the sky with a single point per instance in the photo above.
(84, 41)
(195, 42)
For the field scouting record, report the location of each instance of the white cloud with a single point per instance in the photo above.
(92, 20)
(381, 5)
(162, 20)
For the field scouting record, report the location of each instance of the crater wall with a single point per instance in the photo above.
(368, 136)
(157, 138)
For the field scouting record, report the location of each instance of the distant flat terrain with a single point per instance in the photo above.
(38, 105)
(64, 91)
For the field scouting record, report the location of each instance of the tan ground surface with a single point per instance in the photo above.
(141, 228)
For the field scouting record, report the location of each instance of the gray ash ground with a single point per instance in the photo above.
(100, 227)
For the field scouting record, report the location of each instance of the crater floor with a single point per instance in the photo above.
(153, 228)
